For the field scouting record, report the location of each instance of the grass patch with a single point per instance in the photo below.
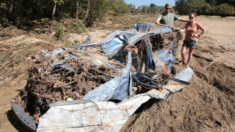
(60, 32)
(1, 57)
(79, 27)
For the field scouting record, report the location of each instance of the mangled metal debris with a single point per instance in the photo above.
(93, 115)
(93, 80)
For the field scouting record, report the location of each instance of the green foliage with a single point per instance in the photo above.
(152, 8)
(5, 22)
(206, 7)
(188, 6)
(59, 2)
(99, 9)
(225, 9)
(144, 9)
(152, 5)
(121, 8)
(1, 57)
(59, 32)
(131, 8)
(89, 10)
(79, 27)
(3, 5)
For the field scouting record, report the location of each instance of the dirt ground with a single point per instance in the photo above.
(207, 104)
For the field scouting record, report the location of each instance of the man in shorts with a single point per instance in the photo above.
(167, 17)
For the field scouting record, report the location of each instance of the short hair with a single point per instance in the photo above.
(167, 4)
(193, 13)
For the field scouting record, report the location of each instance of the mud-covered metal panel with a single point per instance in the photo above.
(163, 60)
(87, 116)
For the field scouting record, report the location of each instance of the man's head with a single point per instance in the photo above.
(168, 8)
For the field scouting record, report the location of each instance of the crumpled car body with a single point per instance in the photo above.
(96, 112)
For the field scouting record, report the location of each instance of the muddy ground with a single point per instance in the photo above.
(207, 104)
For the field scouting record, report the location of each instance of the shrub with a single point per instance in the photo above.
(79, 27)
(59, 32)
(225, 9)
(5, 22)
(205, 9)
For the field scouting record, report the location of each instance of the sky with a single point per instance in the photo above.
(138, 3)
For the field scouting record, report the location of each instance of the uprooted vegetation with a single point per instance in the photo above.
(50, 82)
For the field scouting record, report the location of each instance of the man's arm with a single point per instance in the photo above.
(158, 20)
(182, 20)
(185, 26)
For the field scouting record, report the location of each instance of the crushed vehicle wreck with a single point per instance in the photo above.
(77, 89)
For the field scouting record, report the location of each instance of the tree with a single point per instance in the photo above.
(152, 7)
(77, 6)
(225, 9)
(212, 2)
(121, 7)
(205, 9)
(59, 2)
(188, 6)
(131, 8)
(144, 9)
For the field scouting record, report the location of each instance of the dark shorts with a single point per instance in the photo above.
(190, 44)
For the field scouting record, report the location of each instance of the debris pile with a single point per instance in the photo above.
(70, 80)
(132, 60)
(161, 40)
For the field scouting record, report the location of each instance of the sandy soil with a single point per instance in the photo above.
(21, 39)
(96, 36)
(218, 43)
(216, 46)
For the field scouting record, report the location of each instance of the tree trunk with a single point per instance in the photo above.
(53, 12)
(77, 7)
(88, 8)
(10, 8)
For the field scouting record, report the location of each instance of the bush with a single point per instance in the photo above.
(5, 22)
(79, 27)
(59, 32)
(205, 9)
(225, 9)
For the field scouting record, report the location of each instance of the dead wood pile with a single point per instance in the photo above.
(164, 40)
(48, 85)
